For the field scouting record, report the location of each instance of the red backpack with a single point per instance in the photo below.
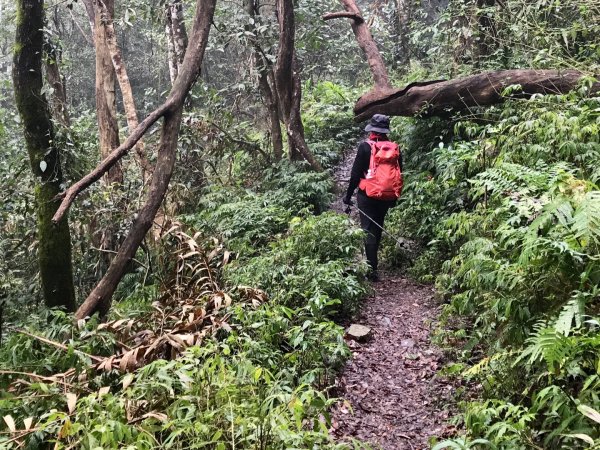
(383, 181)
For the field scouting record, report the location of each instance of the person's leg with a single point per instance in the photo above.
(380, 213)
(370, 208)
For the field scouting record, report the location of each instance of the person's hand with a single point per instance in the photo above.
(348, 201)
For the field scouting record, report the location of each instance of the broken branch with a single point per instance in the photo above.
(58, 345)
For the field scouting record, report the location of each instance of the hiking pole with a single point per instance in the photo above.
(400, 244)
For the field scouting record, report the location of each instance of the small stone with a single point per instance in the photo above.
(407, 343)
(358, 332)
(386, 322)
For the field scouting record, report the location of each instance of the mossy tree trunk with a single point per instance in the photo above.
(54, 240)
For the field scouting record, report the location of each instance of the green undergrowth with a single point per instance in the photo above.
(506, 205)
(267, 275)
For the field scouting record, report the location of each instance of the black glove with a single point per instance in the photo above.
(348, 201)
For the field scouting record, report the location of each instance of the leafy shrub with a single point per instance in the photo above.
(315, 262)
(513, 204)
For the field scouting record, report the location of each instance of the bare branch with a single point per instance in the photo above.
(58, 345)
(68, 197)
(367, 44)
(344, 15)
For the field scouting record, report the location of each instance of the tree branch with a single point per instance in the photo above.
(366, 42)
(68, 197)
(344, 15)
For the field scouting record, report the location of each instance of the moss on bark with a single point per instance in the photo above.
(54, 248)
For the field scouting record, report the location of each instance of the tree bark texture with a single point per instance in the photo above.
(366, 42)
(288, 85)
(177, 38)
(124, 85)
(58, 102)
(106, 103)
(171, 111)
(54, 240)
(265, 73)
(484, 89)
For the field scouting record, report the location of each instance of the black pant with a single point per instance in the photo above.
(376, 210)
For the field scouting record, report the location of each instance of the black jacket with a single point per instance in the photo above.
(361, 166)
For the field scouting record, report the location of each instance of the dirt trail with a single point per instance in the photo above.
(392, 396)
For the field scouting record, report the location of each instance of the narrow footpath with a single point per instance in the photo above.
(392, 396)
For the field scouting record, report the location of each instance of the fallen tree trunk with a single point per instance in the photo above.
(441, 97)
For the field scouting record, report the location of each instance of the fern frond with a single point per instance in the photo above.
(547, 345)
(573, 310)
(586, 220)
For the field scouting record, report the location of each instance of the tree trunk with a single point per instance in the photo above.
(91, 14)
(274, 119)
(106, 104)
(54, 241)
(171, 55)
(177, 38)
(287, 83)
(171, 110)
(295, 127)
(444, 97)
(106, 112)
(124, 84)
(366, 42)
(58, 101)
(265, 73)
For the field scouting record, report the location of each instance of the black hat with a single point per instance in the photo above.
(379, 123)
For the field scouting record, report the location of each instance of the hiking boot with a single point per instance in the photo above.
(373, 276)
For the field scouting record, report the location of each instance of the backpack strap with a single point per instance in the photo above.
(374, 151)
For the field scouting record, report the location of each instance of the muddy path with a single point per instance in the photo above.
(392, 396)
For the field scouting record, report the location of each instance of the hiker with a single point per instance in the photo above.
(377, 172)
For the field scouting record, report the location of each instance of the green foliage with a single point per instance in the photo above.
(519, 33)
(510, 202)
(260, 381)
(328, 120)
(259, 384)
(313, 263)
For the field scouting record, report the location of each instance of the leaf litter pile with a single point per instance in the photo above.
(391, 394)
(191, 308)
